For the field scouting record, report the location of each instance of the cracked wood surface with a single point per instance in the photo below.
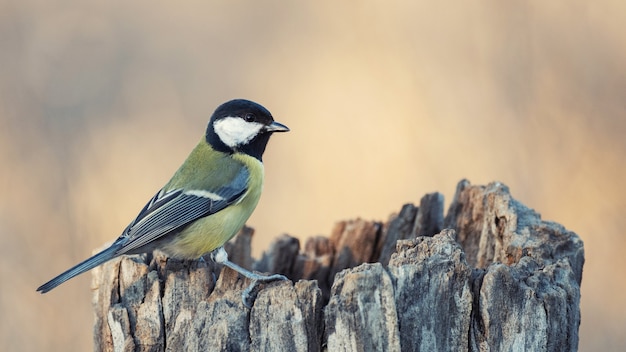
(489, 276)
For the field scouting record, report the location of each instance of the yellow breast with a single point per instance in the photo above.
(211, 232)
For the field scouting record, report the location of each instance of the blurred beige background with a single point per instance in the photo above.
(101, 101)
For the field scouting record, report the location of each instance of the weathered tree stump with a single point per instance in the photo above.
(497, 278)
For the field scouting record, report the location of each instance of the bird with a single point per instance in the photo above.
(207, 201)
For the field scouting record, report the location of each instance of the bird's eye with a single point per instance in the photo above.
(249, 118)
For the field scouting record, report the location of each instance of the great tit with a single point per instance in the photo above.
(208, 199)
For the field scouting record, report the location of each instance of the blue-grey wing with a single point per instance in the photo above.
(170, 211)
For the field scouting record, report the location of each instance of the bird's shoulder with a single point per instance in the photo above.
(209, 169)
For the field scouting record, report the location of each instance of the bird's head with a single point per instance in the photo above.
(242, 126)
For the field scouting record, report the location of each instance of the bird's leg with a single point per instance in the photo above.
(249, 294)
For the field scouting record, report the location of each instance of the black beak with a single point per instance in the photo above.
(276, 127)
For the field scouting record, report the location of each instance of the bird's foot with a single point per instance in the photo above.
(249, 294)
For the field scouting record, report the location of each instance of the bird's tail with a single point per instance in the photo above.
(80, 268)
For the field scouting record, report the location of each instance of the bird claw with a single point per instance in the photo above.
(250, 293)
(248, 296)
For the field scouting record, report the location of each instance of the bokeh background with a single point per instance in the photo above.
(101, 101)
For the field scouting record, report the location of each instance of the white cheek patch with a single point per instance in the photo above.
(234, 131)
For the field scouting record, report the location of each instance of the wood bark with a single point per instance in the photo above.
(489, 276)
